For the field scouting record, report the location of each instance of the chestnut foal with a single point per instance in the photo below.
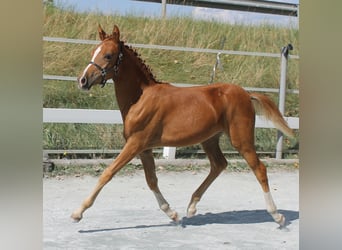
(158, 114)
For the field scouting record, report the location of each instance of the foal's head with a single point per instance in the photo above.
(105, 60)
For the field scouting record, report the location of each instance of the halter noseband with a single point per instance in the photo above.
(104, 71)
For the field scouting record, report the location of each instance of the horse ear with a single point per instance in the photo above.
(116, 33)
(102, 33)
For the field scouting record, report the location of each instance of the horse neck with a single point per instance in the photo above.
(133, 76)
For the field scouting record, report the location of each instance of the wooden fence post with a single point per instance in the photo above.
(169, 153)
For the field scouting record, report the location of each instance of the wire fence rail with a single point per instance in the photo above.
(167, 47)
(269, 90)
(259, 6)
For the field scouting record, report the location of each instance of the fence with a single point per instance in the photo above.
(55, 115)
(259, 6)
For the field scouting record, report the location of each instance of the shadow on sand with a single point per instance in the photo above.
(238, 217)
(232, 217)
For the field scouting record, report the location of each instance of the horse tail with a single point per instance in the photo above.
(264, 106)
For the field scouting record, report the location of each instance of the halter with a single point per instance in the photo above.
(104, 71)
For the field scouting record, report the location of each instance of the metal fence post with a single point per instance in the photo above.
(218, 61)
(282, 95)
(163, 8)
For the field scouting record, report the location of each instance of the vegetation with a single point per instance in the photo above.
(172, 66)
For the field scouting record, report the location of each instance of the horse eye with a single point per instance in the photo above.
(108, 56)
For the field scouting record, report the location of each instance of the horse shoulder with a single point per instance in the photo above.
(143, 115)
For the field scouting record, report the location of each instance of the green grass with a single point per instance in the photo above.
(171, 66)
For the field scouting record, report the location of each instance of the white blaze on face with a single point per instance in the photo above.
(97, 51)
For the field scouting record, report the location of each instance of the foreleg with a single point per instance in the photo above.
(217, 163)
(152, 181)
(128, 152)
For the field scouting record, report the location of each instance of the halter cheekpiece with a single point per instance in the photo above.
(104, 71)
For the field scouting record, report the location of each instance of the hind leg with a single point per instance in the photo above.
(217, 163)
(242, 138)
(260, 172)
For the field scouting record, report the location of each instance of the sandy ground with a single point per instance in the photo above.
(231, 214)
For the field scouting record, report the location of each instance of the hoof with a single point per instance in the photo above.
(174, 216)
(191, 212)
(281, 220)
(76, 217)
(190, 215)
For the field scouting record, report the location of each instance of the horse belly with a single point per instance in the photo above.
(186, 128)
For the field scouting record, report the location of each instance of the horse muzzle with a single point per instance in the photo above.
(83, 83)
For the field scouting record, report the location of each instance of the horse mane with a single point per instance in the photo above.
(145, 68)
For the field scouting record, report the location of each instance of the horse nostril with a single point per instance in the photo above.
(83, 80)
